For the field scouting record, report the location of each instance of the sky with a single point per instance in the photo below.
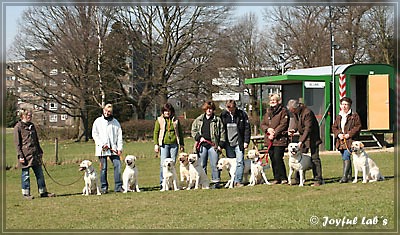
(14, 13)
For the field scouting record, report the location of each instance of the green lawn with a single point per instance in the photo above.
(264, 208)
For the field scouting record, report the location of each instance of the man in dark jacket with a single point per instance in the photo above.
(307, 125)
(237, 137)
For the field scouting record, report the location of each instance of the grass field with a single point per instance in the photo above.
(262, 208)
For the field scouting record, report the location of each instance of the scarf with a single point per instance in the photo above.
(344, 118)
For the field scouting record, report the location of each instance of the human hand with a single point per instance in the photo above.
(291, 132)
(271, 131)
(182, 148)
(21, 160)
(340, 136)
(156, 148)
(105, 147)
(119, 152)
(346, 136)
(246, 145)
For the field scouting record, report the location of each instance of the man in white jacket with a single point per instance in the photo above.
(107, 135)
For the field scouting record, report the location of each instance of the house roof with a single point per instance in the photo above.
(318, 71)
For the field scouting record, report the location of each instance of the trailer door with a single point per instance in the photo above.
(378, 102)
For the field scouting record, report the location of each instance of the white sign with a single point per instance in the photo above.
(314, 84)
(225, 96)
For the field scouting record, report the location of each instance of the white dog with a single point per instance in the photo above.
(170, 177)
(90, 178)
(257, 170)
(298, 162)
(198, 177)
(362, 162)
(230, 165)
(130, 175)
(184, 169)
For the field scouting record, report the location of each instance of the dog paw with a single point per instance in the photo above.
(98, 194)
(364, 182)
(354, 181)
(125, 191)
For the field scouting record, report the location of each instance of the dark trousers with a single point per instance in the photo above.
(278, 165)
(316, 163)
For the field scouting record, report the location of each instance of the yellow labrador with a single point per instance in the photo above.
(361, 162)
(257, 175)
(130, 175)
(298, 162)
(184, 169)
(170, 177)
(198, 177)
(90, 178)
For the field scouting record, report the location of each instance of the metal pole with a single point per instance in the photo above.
(333, 70)
(56, 149)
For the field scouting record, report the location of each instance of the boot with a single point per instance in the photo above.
(349, 177)
(346, 169)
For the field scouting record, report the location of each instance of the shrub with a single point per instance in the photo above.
(62, 133)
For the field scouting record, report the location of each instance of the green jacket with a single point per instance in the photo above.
(217, 130)
(168, 131)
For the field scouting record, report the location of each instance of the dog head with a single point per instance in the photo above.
(253, 153)
(357, 146)
(184, 159)
(168, 163)
(85, 164)
(192, 158)
(222, 163)
(293, 149)
(130, 160)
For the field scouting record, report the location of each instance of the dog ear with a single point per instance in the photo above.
(361, 145)
(89, 163)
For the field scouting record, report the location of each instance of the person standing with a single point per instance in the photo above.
(107, 135)
(167, 136)
(307, 125)
(209, 133)
(275, 126)
(29, 155)
(346, 128)
(237, 135)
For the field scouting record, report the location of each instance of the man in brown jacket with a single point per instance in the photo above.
(29, 154)
(307, 125)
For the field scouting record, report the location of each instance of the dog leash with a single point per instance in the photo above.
(45, 169)
(265, 156)
(345, 144)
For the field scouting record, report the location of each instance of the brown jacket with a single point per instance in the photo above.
(352, 127)
(278, 119)
(27, 144)
(307, 125)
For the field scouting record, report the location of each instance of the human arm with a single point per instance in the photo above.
(156, 132)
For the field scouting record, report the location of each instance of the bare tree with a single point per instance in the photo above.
(67, 39)
(304, 32)
(380, 29)
(165, 37)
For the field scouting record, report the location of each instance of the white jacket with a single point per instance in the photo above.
(107, 133)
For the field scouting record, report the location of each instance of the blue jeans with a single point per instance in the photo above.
(235, 152)
(345, 154)
(26, 183)
(204, 155)
(167, 151)
(117, 172)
